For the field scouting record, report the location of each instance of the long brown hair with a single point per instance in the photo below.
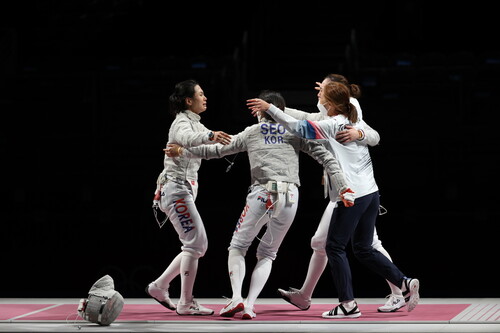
(337, 94)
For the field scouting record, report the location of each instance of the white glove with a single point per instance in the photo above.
(347, 197)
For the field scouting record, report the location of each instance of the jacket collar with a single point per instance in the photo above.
(191, 115)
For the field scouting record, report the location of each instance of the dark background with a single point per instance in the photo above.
(83, 96)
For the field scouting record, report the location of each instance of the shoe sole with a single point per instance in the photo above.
(393, 310)
(232, 312)
(246, 316)
(286, 298)
(165, 304)
(414, 295)
(194, 314)
(356, 315)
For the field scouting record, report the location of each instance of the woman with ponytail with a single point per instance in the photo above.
(177, 187)
(361, 134)
(354, 224)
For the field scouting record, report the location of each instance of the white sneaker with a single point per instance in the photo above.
(295, 297)
(340, 312)
(394, 303)
(410, 293)
(193, 309)
(248, 313)
(234, 306)
(160, 295)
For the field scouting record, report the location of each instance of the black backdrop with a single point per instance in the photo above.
(83, 93)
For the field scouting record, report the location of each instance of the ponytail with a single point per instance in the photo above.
(338, 95)
(354, 89)
(351, 113)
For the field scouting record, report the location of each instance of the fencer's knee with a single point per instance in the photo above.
(261, 254)
(318, 244)
(237, 252)
(192, 253)
(320, 252)
(259, 258)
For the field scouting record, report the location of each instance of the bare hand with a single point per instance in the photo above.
(319, 86)
(221, 137)
(347, 135)
(173, 150)
(257, 106)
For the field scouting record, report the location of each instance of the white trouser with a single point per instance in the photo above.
(255, 216)
(177, 201)
(318, 241)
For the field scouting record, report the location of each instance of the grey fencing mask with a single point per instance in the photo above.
(103, 304)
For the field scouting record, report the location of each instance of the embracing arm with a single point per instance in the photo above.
(207, 152)
(184, 135)
(308, 129)
(371, 136)
(324, 157)
(362, 133)
(302, 115)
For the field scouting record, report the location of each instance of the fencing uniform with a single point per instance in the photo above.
(273, 196)
(177, 188)
(179, 183)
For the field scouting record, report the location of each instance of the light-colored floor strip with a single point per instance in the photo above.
(33, 312)
(483, 316)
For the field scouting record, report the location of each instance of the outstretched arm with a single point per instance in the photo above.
(207, 152)
(316, 130)
(184, 135)
(303, 115)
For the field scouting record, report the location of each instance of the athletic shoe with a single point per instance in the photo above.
(160, 295)
(394, 303)
(193, 309)
(248, 313)
(295, 297)
(231, 308)
(340, 312)
(410, 294)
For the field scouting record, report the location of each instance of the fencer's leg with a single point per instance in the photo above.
(237, 270)
(170, 273)
(188, 271)
(259, 278)
(317, 265)
(377, 245)
(319, 260)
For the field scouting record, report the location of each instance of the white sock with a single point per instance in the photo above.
(170, 273)
(316, 267)
(237, 269)
(259, 278)
(189, 268)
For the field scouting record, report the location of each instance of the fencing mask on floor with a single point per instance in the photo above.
(103, 304)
